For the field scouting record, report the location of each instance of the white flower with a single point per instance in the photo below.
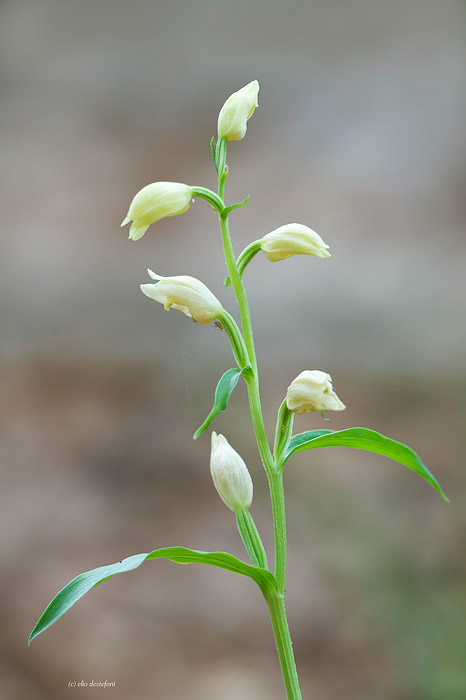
(293, 239)
(154, 202)
(236, 111)
(187, 294)
(312, 391)
(230, 474)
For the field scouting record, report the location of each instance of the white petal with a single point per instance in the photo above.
(154, 275)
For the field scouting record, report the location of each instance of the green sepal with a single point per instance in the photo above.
(212, 147)
(362, 439)
(225, 387)
(83, 583)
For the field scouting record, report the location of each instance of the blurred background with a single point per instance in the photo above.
(360, 135)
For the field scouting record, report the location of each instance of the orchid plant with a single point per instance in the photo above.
(311, 390)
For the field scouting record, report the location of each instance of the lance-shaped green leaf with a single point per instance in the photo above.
(225, 387)
(83, 583)
(362, 439)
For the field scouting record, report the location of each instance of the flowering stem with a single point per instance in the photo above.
(275, 602)
(253, 380)
(275, 479)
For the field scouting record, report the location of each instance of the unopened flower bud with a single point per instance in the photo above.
(293, 239)
(312, 391)
(154, 202)
(230, 474)
(187, 294)
(233, 117)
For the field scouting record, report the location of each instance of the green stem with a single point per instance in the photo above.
(275, 602)
(277, 495)
(238, 288)
(281, 632)
(275, 480)
(251, 538)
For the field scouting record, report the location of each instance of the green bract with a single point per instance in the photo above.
(225, 387)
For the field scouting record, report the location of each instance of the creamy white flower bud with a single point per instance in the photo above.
(187, 294)
(293, 239)
(312, 391)
(154, 202)
(230, 474)
(233, 117)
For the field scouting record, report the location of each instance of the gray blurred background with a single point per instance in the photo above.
(360, 135)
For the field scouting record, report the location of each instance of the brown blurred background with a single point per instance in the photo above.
(360, 135)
